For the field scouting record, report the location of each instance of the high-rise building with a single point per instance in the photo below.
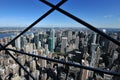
(30, 37)
(77, 42)
(46, 49)
(94, 38)
(42, 38)
(64, 44)
(50, 44)
(93, 58)
(51, 41)
(52, 35)
(13, 43)
(36, 40)
(39, 43)
(23, 41)
(69, 35)
(18, 42)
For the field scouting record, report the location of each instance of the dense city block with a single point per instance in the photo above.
(76, 45)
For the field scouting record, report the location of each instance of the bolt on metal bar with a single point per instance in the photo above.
(38, 20)
(18, 63)
(68, 63)
(82, 22)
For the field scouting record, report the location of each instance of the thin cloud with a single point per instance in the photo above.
(108, 16)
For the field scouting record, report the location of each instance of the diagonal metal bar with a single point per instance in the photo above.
(68, 63)
(38, 20)
(18, 62)
(82, 22)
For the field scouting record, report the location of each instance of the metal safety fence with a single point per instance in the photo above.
(53, 8)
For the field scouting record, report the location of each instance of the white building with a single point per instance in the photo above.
(64, 44)
(18, 42)
(52, 34)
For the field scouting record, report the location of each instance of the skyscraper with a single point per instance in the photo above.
(36, 40)
(52, 35)
(41, 38)
(46, 49)
(23, 41)
(94, 38)
(17, 42)
(64, 44)
(69, 35)
(51, 41)
(50, 44)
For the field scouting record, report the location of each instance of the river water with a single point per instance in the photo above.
(2, 35)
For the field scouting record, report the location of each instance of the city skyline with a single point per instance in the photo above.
(98, 13)
(84, 48)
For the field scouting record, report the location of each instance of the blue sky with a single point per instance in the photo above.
(21, 13)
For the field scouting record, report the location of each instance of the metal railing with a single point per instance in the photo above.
(56, 7)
